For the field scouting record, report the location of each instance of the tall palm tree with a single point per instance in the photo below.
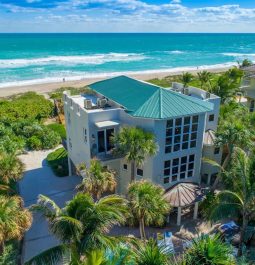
(225, 87)
(14, 219)
(11, 168)
(81, 226)
(204, 78)
(147, 204)
(97, 180)
(135, 145)
(230, 135)
(208, 250)
(239, 201)
(149, 253)
(186, 78)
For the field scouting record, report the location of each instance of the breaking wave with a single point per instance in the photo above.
(73, 60)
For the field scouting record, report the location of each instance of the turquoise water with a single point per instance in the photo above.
(37, 58)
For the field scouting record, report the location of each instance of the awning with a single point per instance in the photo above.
(104, 124)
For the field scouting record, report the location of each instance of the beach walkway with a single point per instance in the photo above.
(39, 179)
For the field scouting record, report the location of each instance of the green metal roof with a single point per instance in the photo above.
(141, 99)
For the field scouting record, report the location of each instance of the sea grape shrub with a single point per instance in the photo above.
(26, 106)
(30, 134)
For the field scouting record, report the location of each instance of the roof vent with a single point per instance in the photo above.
(87, 104)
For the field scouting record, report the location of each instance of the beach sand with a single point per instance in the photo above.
(48, 87)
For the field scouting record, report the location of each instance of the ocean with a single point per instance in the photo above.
(41, 58)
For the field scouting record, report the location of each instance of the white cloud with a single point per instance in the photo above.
(140, 15)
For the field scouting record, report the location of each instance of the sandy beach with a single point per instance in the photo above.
(48, 87)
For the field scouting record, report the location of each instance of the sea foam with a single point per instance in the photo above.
(95, 59)
(79, 76)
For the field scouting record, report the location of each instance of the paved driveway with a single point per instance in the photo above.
(39, 179)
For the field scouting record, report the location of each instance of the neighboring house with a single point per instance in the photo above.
(179, 118)
(247, 95)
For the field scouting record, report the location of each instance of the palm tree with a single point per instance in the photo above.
(135, 145)
(149, 253)
(235, 74)
(239, 200)
(225, 87)
(147, 204)
(204, 77)
(246, 63)
(230, 135)
(11, 168)
(81, 226)
(97, 180)
(186, 78)
(14, 219)
(208, 250)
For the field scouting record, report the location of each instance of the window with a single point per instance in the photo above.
(178, 122)
(104, 140)
(139, 172)
(166, 180)
(179, 168)
(174, 140)
(174, 178)
(216, 150)
(187, 120)
(193, 144)
(211, 117)
(85, 135)
(125, 166)
(195, 119)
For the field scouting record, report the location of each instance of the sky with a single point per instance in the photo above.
(127, 16)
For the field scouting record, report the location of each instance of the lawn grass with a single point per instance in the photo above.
(58, 128)
(58, 161)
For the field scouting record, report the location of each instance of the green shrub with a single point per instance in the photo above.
(58, 161)
(58, 128)
(26, 106)
(50, 139)
(10, 254)
(34, 143)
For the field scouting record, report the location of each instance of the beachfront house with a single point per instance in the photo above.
(247, 90)
(183, 121)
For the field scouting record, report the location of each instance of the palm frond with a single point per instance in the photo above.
(51, 256)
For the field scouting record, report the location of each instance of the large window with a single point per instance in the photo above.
(104, 140)
(181, 134)
(179, 168)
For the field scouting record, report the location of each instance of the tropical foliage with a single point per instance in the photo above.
(82, 226)
(135, 144)
(58, 161)
(11, 168)
(208, 250)
(186, 78)
(28, 106)
(239, 201)
(14, 219)
(147, 204)
(97, 179)
(150, 253)
(204, 78)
